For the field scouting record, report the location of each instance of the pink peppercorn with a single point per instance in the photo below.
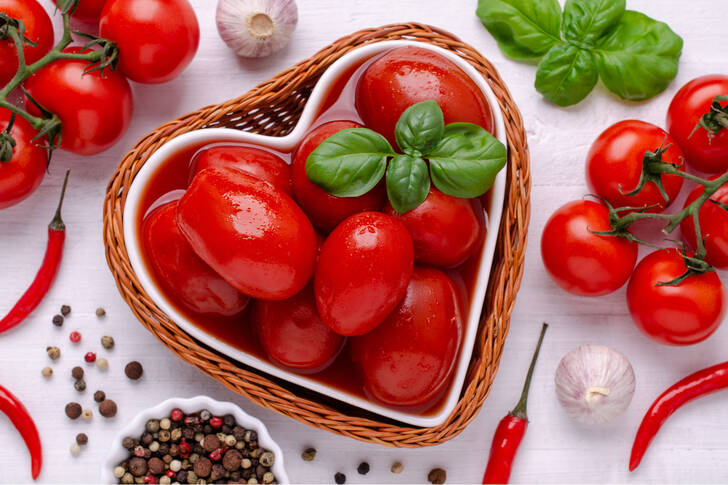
(150, 479)
(216, 422)
(176, 415)
(183, 449)
(75, 337)
(171, 474)
(215, 455)
(139, 451)
(89, 357)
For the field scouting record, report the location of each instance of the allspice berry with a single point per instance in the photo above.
(81, 439)
(77, 372)
(437, 476)
(73, 410)
(133, 370)
(107, 408)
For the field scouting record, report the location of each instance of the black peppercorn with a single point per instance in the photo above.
(58, 320)
(128, 443)
(363, 468)
(99, 396)
(77, 373)
(340, 478)
(65, 310)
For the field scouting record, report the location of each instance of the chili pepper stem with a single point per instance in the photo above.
(57, 222)
(520, 410)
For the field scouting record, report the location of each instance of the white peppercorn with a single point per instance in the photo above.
(119, 472)
(75, 449)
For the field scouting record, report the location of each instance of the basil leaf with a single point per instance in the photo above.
(350, 162)
(420, 128)
(638, 58)
(586, 20)
(524, 29)
(466, 161)
(566, 75)
(408, 182)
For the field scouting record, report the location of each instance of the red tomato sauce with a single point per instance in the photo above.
(171, 179)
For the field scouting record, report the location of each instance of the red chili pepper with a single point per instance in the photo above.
(47, 272)
(18, 415)
(510, 430)
(696, 385)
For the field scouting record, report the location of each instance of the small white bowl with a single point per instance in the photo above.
(288, 143)
(135, 428)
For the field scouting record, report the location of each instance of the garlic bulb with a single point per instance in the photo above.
(256, 28)
(594, 383)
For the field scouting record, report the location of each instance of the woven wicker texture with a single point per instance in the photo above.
(273, 108)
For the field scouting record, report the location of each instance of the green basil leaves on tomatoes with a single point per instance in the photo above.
(635, 55)
(460, 159)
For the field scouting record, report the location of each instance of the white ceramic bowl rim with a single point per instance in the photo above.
(288, 143)
(135, 427)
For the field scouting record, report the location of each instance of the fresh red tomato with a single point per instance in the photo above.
(181, 272)
(254, 161)
(445, 230)
(408, 359)
(713, 226)
(614, 164)
(363, 272)
(157, 39)
(25, 171)
(38, 28)
(249, 232)
(683, 314)
(707, 152)
(324, 209)
(579, 261)
(95, 109)
(409, 75)
(87, 10)
(293, 334)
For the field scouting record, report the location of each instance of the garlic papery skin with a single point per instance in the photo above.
(594, 383)
(256, 28)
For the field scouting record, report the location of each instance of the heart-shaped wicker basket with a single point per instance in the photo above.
(273, 108)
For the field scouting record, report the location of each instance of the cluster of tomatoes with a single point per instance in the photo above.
(156, 39)
(252, 236)
(668, 308)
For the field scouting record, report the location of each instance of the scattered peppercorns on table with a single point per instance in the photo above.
(191, 448)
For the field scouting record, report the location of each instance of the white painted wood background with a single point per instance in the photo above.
(693, 446)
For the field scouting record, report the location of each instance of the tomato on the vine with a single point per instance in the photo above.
(707, 152)
(157, 39)
(614, 164)
(87, 10)
(713, 226)
(581, 262)
(38, 29)
(95, 108)
(20, 176)
(681, 314)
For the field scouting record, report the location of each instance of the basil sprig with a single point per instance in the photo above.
(464, 159)
(635, 56)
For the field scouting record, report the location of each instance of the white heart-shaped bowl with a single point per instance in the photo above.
(286, 144)
(135, 428)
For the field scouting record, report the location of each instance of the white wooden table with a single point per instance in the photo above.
(693, 447)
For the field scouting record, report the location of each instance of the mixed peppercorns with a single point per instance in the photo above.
(196, 448)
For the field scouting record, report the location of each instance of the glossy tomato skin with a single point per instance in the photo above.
(38, 28)
(324, 209)
(157, 39)
(293, 335)
(445, 230)
(408, 75)
(181, 272)
(409, 359)
(249, 232)
(254, 161)
(363, 272)
(615, 161)
(674, 315)
(704, 153)
(579, 261)
(713, 226)
(87, 10)
(25, 171)
(95, 109)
